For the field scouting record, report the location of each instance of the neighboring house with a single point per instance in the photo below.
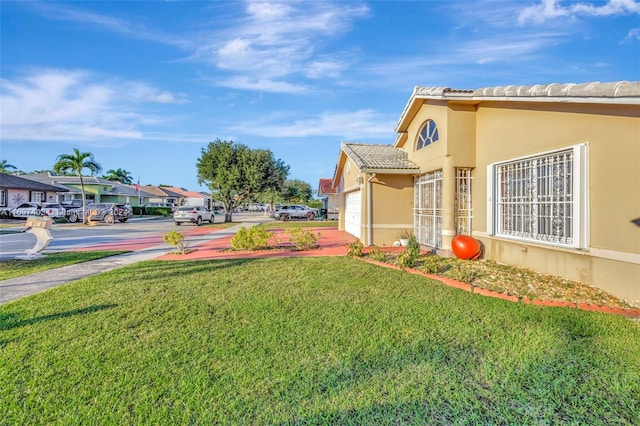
(15, 190)
(189, 198)
(329, 197)
(161, 194)
(97, 190)
(546, 177)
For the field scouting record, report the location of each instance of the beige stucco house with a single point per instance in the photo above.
(546, 177)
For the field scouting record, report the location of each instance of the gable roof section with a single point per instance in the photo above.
(325, 187)
(378, 158)
(619, 92)
(183, 192)
(15, 182)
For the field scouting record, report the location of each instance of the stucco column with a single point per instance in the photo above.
(448, 202)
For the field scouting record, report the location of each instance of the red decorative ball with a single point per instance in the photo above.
(465, 247)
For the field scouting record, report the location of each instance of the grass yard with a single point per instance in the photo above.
(306, 341)
(16, 268)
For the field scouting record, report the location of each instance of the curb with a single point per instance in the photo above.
(627, 312)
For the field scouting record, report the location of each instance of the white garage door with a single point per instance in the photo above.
(352, 210)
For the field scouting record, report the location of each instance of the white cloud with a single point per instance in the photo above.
(64, 12)
(278, 40)
(260, 85)
(56, 105)
(357, 125)
(552, 9)
(633, 34)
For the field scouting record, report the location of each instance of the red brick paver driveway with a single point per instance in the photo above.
(332, 243)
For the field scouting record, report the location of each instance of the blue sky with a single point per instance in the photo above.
(145, 85)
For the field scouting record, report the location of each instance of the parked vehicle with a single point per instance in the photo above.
(26, 209)
(295, 211)
(72, 204)
(103, 212)
(193, 214)
(53, 210)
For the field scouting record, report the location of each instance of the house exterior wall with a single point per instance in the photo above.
(193, 201)
(611, 260)
(455, 148)
(392, 202)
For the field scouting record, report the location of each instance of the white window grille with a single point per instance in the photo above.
(464, 210)
(3, 198)
(427, 210)
(541, 198)
(37, 196)
(428, 134)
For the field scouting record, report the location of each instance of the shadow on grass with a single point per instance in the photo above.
(159, 269)
(10, 321)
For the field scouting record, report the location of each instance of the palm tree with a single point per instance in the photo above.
(119, 175)
(76, 162)
(5, 166)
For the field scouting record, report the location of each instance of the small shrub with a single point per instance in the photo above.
(406, 259)
(355, 249)
(405, 235)
(413, 246)
(176, 239)
(432, 265)
(303, 239)
(157, 211)
(463, 274)
(253, 238)
(377, 254)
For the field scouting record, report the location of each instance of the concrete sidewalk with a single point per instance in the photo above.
(15, 288)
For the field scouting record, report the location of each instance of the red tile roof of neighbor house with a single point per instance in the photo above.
(154, 190)
(326, 186)
(184, 192)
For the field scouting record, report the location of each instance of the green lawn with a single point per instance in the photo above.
(16, 268)
(306, 341)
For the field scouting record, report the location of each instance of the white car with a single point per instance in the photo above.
(26, 209)
(295, 211)
(193, 214)
(53, 210)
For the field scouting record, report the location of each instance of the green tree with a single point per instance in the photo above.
(296, 191)
(119, 175)
(75, 163)
(5, 167)
(233, 173)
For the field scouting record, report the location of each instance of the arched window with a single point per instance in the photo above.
(428, 134)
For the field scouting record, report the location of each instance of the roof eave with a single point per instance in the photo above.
(391, 171)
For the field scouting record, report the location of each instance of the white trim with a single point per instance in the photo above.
(352, 188)
(581, 194)
(392, 226)
(620, 256)
(392, 171)
(491, 220)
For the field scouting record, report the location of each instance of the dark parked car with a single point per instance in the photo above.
(103, 212)
(73, 204)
